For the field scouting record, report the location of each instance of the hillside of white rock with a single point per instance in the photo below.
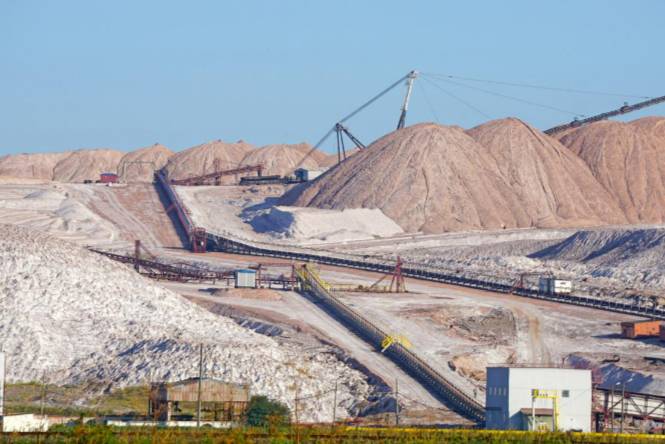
(74, 317)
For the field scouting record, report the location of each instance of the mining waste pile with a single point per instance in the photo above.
(139, 165)
(71, 166)
(628, 159)
(283, 159)
(70, 316)
(426, 177)
(502, 174)
(207, 158)
(546, 176)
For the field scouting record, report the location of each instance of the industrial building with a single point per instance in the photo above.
(245, 278)
(305, 175)
(221, 401)
(538, 398)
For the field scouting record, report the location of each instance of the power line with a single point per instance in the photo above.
(505, 96)
(457, 98)
(548, 88)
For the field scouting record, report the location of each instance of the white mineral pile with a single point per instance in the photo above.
(140, 165)
(72, 316)
(314, 224)
(628, 159)
(554, 187)
(283, 159)
(426, 177)
(30, 166)
(630, 256)
(83, 165)
(57, 209)
(207, 158)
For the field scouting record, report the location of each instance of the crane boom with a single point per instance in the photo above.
(617, 112)
(405, 106)
(353, 113)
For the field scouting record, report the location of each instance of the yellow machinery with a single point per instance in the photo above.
(546, 394)
(394, 339)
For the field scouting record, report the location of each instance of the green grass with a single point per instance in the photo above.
(74, 400)
(103, 435)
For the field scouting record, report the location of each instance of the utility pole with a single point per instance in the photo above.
(396, 403)
(623, 401)
(334, 406)
(198, 397)
(42, 396)
(2, 384)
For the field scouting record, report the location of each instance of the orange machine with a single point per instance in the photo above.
(637, 329)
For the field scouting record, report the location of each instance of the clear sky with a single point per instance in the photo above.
(126, 74)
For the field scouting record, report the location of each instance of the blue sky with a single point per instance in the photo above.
(126, 74)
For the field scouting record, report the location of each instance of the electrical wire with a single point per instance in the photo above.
(548, 88)
(505, 96)
(457, 98)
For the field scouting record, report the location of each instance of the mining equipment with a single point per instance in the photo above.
(606, 115)
(214, 178)
(397, 283)
(520, 281)
(341, 130)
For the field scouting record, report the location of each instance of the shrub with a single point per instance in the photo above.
(263, 412)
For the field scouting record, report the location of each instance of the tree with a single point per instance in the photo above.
(262, 412)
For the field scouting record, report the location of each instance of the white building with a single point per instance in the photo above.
(531, 398)
(305, 174)
(245, 278)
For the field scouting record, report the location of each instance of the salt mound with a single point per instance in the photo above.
(201, 159)
(554, 187)
(157, 155)
(629, 161)
(633, 256)
(30, 166)
(426, 177)
(331, 160)
(330, 225)
(283, 159)
(83, 165)
(73, 316)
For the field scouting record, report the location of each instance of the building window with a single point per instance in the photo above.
(565, 393)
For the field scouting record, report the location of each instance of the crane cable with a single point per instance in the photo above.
(457, 98)
(506, 96)
(547, 88)
(347, 117)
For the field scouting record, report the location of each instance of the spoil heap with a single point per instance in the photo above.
(152, 158)
(426, 177)
(283, 159)
(73, 317)
(30, 166)
(554, 187)
(86, 164)
(628, 159)
(205, 158)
